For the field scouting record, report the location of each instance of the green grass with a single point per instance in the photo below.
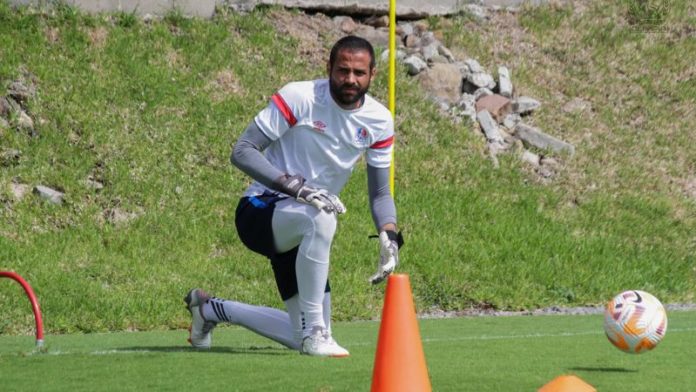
(519, 353)
(151, 109)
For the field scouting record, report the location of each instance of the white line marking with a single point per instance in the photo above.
(425, 340)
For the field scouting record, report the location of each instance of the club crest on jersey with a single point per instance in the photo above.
(319, 126)
(361, 136)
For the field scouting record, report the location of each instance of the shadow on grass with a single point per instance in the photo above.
(603, 369)
(267, 350)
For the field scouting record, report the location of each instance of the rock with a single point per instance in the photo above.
(438, 59)
(481, 79)
(5, 107)
(52, 195)
(530, 157)
(10, 157)
(442, 50)
(116, 216)
(467, 106)
(482, 92)
(400, 56)
(428, 38)
(412, 41)
(489, 127)
(429, 51)
(346, 24)
(377, 37)
(421, 26)
(479, 13)
(497, 105)
(25, 122)
(404, 29)
(511, 120)
(473, 65)
(377, 21)
(577, 105)
(525, 105)
(414, 65)
(463, 69)
(20, 92)
(19, 190)
(93, 183)
(442, 80)
(535, 137)
(8, 107)
(549, 161)
(504, 82)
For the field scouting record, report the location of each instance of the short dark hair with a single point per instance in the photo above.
(353, 43)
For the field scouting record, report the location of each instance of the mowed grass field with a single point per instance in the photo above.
(509, 353)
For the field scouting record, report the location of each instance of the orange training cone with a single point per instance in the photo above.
(399, 360)
(567, 384)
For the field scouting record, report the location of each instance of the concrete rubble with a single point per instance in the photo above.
(464, 89)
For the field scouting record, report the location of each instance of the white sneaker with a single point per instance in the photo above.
(320, 343)
(200, 329)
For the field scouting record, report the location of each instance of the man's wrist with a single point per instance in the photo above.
(395, 236)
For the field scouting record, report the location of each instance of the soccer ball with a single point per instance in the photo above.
(635, 321)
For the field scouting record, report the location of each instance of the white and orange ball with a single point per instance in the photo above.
(635, 321)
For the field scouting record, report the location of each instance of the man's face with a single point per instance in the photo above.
(350, 77)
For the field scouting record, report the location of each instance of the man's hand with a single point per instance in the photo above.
(389, 243)
(319, 198)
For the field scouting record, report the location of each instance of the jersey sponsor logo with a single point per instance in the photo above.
(361, 136)
(319, 126)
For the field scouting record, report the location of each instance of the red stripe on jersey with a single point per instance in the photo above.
(284, 109)
(384, 143)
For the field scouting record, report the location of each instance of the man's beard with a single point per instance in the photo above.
(347, 98)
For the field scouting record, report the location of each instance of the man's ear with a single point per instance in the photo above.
(373, 73)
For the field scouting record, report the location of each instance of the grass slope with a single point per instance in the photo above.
(151, 109)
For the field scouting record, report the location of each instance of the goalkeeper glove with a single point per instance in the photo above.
(389, 244)
(320, 198)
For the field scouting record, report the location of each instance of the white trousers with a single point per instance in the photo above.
(294, 225)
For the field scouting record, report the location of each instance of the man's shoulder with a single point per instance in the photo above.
(305, 87)
(304, 91)
(376, 108)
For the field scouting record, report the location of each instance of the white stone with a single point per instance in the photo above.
(524, 105)
(482, 92)
(446, 52)
(530, 157)
(489, 127)
(537, 138)
(473, 65)
(481, 79)
(504, 82)
(511, 120)
(52, 195)
(414, 65)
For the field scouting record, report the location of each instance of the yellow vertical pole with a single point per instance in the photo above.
(392, 81)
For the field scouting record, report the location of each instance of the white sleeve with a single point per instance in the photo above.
(380, 152)
(278, 116)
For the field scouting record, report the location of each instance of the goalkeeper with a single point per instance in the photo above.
(301, 150)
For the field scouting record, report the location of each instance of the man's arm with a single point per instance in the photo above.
(247, 156)
(381, 201)
(384, 215)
